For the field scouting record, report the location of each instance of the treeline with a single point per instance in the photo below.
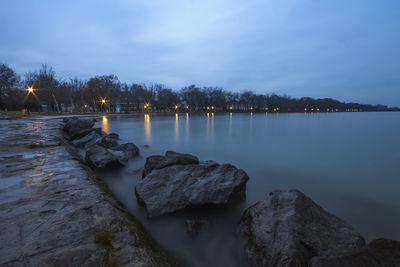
(107, 93)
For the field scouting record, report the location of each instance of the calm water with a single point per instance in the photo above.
(349, 163)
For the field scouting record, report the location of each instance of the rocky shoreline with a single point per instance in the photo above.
(54, 211)
(287, 228)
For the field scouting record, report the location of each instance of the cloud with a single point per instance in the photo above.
(322, 49)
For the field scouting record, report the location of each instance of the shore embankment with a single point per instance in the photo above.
(54, 211)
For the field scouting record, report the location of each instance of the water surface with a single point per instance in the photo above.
(349, 163)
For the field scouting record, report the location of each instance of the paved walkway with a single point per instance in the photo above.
(54, 212)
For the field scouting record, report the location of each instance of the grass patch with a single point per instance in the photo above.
(104, 238)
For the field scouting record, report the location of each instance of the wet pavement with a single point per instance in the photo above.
(54, 211)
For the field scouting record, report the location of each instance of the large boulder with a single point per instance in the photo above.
(74, 125)
(88, 140)
(129, 149)
(109, 140)
(288, 229)
(170, 158)
(380, 252)
(101, 158)
(84, 132)
(177, 187)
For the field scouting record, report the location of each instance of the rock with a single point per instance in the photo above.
(99, 157)
(129, 149)
(177, 187)
(194, 226)
(109, 140)
(55, 219)
(120, 155)
(87, 140)
(73, 126)
(378, 253)
(288, 229)
(170, 158)
(84, 132)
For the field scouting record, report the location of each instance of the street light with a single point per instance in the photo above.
(30, 90)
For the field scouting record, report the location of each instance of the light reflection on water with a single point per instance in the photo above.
(176, 128)
(147, 128)
(341, 160)
(187, 125)
(104, 124)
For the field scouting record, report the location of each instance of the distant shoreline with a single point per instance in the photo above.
(19, 115)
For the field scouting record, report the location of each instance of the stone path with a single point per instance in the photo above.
(54, 212)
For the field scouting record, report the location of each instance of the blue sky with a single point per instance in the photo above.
(349, 50)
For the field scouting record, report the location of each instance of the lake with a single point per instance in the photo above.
(349, 163)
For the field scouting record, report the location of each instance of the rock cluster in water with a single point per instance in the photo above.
(286, 229)
(177, 181)
(289, 229)
(102, 150)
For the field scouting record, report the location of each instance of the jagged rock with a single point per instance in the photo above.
(87, 140)
(288, 229)
(170, 158)
(84, 132)
(130, 150)
(177, 187)
(109, 140)
(100, 157)
(73, 126)
(378, 253)
(194, 226)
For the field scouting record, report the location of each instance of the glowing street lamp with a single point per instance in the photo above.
(30, 90)
(103, 101)
(176, 107)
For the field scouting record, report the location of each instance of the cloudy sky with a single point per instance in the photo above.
(345, 49)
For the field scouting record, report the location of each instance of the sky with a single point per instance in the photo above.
(343, 49)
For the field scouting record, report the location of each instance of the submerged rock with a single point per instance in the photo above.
(176, 187)
(170, 158)
(288, 229)
(74, 126)
(378, 253)
(194, 226)
(100, 157)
